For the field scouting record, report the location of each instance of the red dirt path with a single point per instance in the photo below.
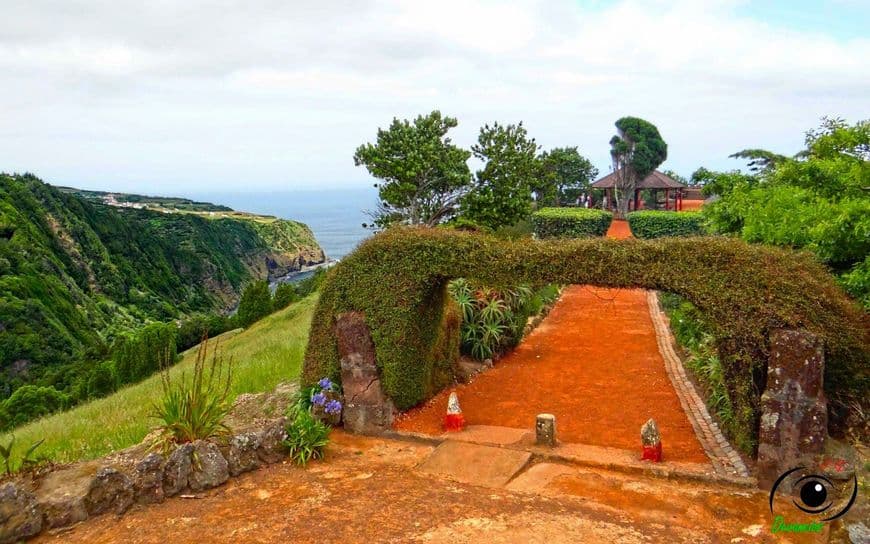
(594, 363)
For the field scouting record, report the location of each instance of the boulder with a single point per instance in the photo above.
(110, 491)
(367, 409)
(242, 454)
(272, 437)
(20, 516)
(176, 472)
(148, 479)
(209, 468)
(794, 414)
(61, 495)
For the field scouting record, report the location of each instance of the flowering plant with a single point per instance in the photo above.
(323, 397)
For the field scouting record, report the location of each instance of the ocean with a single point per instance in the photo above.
(334, 215)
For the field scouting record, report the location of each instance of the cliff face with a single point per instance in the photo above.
(74, 272)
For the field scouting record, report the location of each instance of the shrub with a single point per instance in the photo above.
(656, 224)
(306, 436)
(195, 410)
(399, 278)
(30, 402)
(570, 222)
(192, 329)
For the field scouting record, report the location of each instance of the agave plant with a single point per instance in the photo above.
(27, 459)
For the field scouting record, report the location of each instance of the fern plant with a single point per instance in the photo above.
(196, 409)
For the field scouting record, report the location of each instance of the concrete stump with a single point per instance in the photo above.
(545, 430)
(367, 409)
(794, 414)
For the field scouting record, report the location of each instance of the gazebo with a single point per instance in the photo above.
(655, 181)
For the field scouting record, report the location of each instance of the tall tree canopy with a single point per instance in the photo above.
(502, 191)
(819, 200)
(424, 174)
(565, 173)
(637, 150)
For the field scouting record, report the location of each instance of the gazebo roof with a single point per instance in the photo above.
(656, 180)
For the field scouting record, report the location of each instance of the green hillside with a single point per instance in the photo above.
(74, 273)
(264, 355)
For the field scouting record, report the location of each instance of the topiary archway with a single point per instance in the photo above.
(397, 280)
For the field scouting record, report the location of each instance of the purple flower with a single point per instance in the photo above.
(333, 407)
(325, 384)
(319, 398)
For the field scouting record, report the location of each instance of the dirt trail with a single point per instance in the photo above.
(369, 491)
(594, 363)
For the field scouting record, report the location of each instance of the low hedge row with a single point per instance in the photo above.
(399, 280)
(570, 222)
(648, 224)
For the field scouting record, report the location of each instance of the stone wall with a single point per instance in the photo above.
(113, 484)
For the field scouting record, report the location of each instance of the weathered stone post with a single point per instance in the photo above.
(545, 430)
(794, 413)
(367, 409)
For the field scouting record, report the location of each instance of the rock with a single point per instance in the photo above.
(176, 472)
(272, 437)
(858, 533)
(545, 430)
(210, 469)
(110, 491)
(467, 368)
(242, 455)
(794, 414)
(61, 495)
(20, 516)
(148, 479)
(367, 408)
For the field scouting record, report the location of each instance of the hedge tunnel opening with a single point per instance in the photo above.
(398, 281)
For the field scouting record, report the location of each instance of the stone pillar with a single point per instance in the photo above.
(794, 413)
(367, 409)
(545, 430)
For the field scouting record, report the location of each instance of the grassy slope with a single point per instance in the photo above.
(267, 353)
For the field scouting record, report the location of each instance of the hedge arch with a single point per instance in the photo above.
(398, 279)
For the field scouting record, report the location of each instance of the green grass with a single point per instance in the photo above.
(264, 355)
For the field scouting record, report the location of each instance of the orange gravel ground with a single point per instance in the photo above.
(594, 363)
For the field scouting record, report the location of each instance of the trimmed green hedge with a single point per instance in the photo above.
(656, 224)
(399, 278)
(570, 222)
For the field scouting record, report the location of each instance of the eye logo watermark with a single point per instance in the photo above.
(812, 494)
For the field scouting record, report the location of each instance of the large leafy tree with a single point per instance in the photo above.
(424, 174)
(637, 150)
(565, 173)
(502, 191)
(818, 200)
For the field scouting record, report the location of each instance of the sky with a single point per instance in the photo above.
(167, 97)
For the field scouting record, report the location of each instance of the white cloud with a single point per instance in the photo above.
(162, 95)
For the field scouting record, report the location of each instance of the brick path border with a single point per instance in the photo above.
(725, 459)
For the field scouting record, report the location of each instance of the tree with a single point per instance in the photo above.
(502, 190)
(637, 150)
(255, 304)
(759, 160)
(139, 355)
(424, 175)
(285, 294)
(565, 173)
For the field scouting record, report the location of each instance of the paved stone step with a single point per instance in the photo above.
(475, 464)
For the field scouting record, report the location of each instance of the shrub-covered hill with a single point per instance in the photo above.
(74, 273)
